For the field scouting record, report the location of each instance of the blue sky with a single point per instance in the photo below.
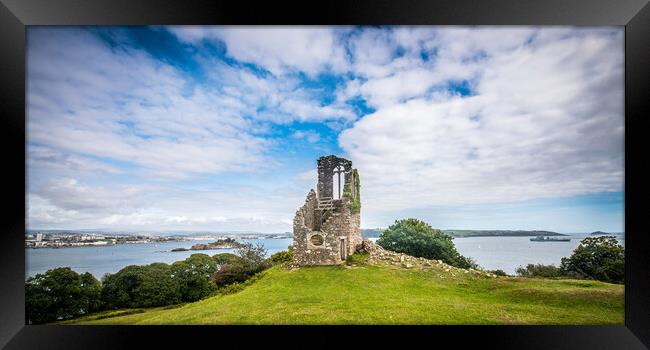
(219, 128)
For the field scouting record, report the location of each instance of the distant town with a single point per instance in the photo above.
(61, 239)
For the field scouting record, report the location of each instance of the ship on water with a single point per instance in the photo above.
(549, 239)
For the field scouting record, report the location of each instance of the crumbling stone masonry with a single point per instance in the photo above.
(327, 228)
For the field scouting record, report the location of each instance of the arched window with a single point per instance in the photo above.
(338, 181)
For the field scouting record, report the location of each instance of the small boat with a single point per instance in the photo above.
(549, 239)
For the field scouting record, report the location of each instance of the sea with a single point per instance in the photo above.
(491, 253)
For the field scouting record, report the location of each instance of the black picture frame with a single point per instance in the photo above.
(633, 14)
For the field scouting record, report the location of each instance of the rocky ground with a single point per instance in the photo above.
(381, 256)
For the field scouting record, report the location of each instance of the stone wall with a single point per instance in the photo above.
(325, 254)
(303, 223)
(305, 251)
(308, 210)
(345, 224)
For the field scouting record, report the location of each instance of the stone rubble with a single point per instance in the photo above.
(379, 255)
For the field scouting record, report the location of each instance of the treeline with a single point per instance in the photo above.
(62, 293)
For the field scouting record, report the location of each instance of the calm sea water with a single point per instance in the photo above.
(506, 253)
(110, 259)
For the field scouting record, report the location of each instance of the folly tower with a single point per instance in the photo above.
(326, 229)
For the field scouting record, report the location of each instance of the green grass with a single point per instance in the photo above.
(372, 294)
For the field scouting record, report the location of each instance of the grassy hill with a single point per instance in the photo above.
(391, 292)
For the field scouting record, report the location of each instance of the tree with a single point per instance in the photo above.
(252, 259)
(600, 258)
(224, 258)
(60, 293)
(157, 287)
(193, 276)
(140, 286)
(417, 238)
(539, 270)
(253, 255)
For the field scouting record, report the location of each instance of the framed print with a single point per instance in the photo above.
(221, 170)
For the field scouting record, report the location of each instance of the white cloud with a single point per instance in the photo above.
(42, 158)
(275, 99)
(278, 49)
(546, 121)
(129, 107)
(69, 194)
(67, 203)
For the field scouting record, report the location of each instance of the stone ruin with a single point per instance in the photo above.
(327, 228)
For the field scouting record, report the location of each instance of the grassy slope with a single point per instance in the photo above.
(393, 295)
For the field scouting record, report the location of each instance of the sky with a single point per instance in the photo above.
(218, 128)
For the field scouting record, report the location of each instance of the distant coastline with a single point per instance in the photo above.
(477, 233)
(41, 239)
(84, 238)
(500, 233)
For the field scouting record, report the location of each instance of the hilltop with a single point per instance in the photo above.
(383, 287)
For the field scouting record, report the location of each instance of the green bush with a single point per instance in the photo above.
(466, 262)
(417, 238)
(600, 258)
(539, 270)
(498, 272)
(60, 293)
(140, 286)
(285, 256)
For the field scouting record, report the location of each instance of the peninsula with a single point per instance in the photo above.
(225, 243)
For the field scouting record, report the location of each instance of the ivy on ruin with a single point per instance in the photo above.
(355, 206)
